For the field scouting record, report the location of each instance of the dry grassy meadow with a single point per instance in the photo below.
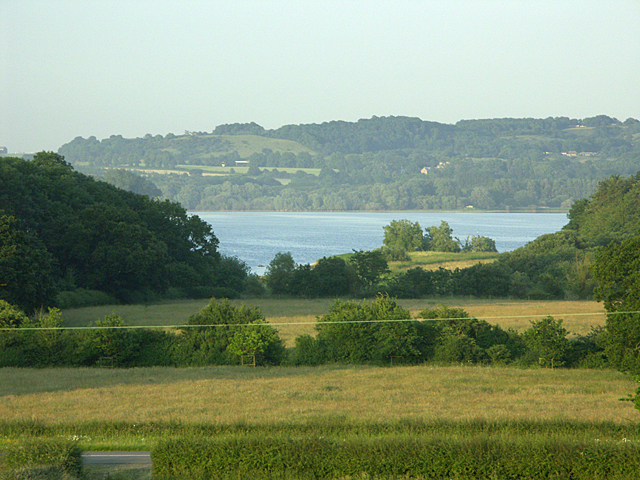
(224, 395)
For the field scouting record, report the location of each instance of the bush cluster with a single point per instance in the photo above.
(384, 333)
(218, 335)
(380, 332)
(554, 266)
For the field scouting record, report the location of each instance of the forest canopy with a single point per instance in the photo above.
(63, 231)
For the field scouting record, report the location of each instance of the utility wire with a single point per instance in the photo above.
(451, 319)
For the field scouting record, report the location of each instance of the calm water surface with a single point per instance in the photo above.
(256, 237)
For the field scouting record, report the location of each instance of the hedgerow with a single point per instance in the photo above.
(480, 457)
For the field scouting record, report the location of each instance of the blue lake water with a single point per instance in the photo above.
(256, 237)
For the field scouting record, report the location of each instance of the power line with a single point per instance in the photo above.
(450, 319)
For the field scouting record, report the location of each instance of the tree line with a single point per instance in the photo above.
(377, 332)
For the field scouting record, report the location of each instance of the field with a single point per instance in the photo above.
(302, 395)
(221, 171)
(143, 408)
(246, 145)
(435, 260)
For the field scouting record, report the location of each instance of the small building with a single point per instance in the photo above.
(3, 150)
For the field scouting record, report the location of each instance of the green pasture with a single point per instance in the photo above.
(449, 260)
(247, 145)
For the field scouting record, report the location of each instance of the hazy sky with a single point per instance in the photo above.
(96, 67)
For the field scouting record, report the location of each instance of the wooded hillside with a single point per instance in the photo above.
(391, 163)
(63, 231)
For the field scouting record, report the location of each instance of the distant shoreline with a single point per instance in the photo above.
(469, 210)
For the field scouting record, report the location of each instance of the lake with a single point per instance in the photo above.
(256, 237)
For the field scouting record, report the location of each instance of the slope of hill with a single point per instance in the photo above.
(388, 163)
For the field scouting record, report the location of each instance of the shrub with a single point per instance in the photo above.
(361, 333)
(308, 351)
(458, 348)
(547, 338)
(108, 339)
(11, 316)
(82, 297)
(51, 456)
(220, 332)
(401, 457)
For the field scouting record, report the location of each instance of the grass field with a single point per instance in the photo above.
(139, 409)
(246, 145)
(301, 395)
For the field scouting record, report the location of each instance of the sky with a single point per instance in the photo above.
(72, 68)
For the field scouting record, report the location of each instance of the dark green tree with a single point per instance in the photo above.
(547, 340)
(332, 277)
(369, 266)
(26, 277)
(109, 340)
(131, 182)
(403, 235)
(617, 273)
(439, 239)
(360, 333)
(478, 243)
(279, 273)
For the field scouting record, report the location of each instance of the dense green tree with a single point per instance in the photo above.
(479, 244)
(25, 267)
(231, 275)
(332, 277)
(547, 339)
(220, 332)
(376, 332)
(109, 340)
(440, 239)
(612, 213)
(131, 182)
(65, 230)
(279, 273)
(369, 266)
(403, 235)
